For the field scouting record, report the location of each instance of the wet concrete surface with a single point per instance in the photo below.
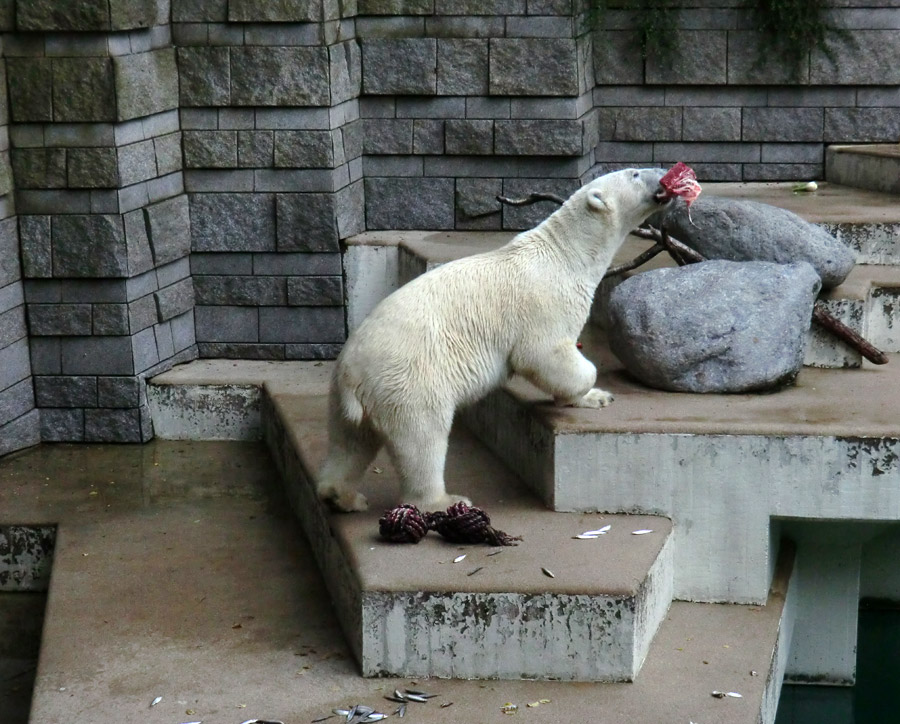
(181, 573)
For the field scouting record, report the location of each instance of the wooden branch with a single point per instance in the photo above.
(848, 335)
(639, 260)
(670, 244)
(531, 199)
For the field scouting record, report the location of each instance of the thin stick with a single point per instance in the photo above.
(848, 335)
(687, 254)
(639, 260)
(531, 199)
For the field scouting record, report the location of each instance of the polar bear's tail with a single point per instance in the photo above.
(345, 403)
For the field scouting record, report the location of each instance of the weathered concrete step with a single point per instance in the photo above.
(868, 301)
(219, 399)
(875, 167)
(409, 610)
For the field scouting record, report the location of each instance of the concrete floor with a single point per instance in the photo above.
(179, 572)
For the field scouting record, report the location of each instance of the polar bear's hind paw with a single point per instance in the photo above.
(595, 399)
(346, 501)
(441, 503)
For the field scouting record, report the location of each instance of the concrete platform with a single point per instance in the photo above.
(181, 574)
(376, 263)
(410, 610)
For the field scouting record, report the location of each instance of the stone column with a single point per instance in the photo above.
(103, 217)
(19, 420)
(269, 97)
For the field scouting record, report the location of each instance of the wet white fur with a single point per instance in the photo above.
(454, 334)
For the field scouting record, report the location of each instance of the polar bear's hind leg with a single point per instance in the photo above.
(351, 450)
(418, 446)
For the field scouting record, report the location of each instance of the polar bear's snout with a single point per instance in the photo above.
(651, 178)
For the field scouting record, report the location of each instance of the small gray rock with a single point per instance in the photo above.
(717, 326)
(741, 230)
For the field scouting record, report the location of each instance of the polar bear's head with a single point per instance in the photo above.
(623, 199)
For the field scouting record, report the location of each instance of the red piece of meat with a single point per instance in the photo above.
(680, 180)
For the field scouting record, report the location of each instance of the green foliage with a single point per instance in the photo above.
(791, 29)
(654, 21)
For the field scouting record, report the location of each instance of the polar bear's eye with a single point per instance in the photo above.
(636, 174)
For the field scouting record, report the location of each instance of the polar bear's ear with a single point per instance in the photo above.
(595, 200)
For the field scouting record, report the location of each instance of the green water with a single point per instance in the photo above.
(874, 698)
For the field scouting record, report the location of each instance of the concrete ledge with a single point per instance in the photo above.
(409, 611)
(216, 399)
(227, 615)
(875, 167)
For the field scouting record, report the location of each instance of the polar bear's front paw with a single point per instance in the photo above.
(595, 399)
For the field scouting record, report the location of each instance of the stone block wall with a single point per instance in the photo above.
(462, 101)
(269, 95)
(466, 100)
(103, 219)
(19, 419)
(735, 113)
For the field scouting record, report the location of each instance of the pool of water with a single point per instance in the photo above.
(873, 699)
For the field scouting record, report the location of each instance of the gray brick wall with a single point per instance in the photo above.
(589, 103)
(96, 159)
(737, 115)
(272, 143)
(19, 417)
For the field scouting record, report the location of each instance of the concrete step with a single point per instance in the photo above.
(875, 167)
(698, 648)
(376, 263)
(868, 301)
(408, 610)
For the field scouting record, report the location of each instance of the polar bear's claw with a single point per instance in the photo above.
(595, 399)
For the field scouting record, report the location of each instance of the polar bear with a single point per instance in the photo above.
(452, 335)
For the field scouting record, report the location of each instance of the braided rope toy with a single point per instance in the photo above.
(460, 523)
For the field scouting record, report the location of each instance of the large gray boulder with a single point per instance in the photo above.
(738, 230)
(717, 326)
